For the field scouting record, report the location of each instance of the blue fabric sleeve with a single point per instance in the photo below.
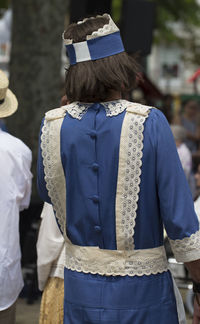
(175, 199)
(41, 183)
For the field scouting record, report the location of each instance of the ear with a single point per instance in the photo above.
(64, 101)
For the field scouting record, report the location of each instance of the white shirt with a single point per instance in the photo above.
(15, 191)
(197, 207)
(50, 248)
(186, 159)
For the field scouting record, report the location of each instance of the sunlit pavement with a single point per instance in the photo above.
(27, 314)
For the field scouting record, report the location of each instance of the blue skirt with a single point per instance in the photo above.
(92, 299)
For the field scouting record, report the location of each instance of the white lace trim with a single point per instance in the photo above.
(116, 107)
(113, 108)
(77, 109)
(187, 249)
(53, 170)
(115, 262)
(107, 29)
(130, 163)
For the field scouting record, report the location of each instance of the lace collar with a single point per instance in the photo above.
(113, 108)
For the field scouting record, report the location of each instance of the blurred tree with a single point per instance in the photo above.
(192, 45)
(170, 12)
(4, 4)
(176, 21)
(179, 21)
(116, 9)
(187, 12)
(35, 66)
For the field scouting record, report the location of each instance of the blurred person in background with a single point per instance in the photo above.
(3, 125)
(185, 155)
(111, 170)
(167, 107)
(197, 201)
(189, 119)
(15, 192)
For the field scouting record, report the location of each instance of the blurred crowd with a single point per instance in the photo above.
(185, 125)
(184, 120)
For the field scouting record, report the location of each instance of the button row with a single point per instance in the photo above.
(95, 167)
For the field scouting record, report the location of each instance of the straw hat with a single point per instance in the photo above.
(8, 101)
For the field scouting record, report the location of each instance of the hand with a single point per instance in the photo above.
(196, 317)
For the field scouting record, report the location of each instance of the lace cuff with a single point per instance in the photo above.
(187, 249)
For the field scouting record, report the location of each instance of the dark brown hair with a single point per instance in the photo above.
(92, 81)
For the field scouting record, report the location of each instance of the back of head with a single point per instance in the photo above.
(179, 133)
(93, 80)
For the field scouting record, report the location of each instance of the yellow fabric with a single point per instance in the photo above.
(51, 309)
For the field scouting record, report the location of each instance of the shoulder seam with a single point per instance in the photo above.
(55, 114)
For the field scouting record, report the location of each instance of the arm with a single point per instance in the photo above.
(26, 171)
(176, 203)
(196, 316)
(176, 206)
(194, 269)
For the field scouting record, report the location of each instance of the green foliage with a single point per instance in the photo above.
(169, 12)
(116, 9)
(4, 4)
(187, 12)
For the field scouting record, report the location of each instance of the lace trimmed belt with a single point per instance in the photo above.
(93, 260)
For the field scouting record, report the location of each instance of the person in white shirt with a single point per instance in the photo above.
(185, 155)
(197, 201)
(183, 151)
(15, 191)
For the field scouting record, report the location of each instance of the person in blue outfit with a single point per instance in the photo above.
(110, 169)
